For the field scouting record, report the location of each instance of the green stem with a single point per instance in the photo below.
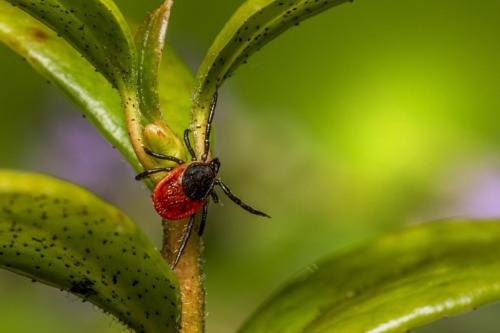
(189, 269)
(189, 272)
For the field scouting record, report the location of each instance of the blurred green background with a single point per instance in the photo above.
(370, 116)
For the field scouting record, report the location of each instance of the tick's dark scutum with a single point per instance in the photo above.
(198, 180)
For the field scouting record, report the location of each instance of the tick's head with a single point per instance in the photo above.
(198, 179)
(214, 165)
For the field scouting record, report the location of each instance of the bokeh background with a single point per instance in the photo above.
(367, 117)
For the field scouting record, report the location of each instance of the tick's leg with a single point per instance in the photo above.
(209, 127)
(188, 144)
(185, 240)
(146, 173)
(238, 201)
(203, 219)
(214, 196)
(163, 157)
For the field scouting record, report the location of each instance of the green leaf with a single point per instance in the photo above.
(61, 235)
(392, 284)
(176, 92)
(150, 39)
(253, 25)
(176, 86)
(96, 28)
(157, 135)
(63, 66)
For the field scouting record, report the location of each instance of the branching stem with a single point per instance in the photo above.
(189, 271)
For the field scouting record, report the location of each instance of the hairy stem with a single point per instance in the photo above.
(189, 272)
(189, 269)
(199, 121)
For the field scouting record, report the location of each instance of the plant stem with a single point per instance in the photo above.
(189, 272)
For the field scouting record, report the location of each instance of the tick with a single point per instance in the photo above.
(188, 187)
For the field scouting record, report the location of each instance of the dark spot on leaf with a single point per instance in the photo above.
(84, 288)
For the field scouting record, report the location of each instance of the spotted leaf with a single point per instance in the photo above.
(392, 284)
(62, 65)
(252, 26)
(61, 235)
(95, 28)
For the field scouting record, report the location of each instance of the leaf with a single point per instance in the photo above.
(157, 135)
(176, 86)
(150, 40)
(253, 25)
(176, 92)
(62, 65)
(96, 28)
(392, 284)
(64, 236)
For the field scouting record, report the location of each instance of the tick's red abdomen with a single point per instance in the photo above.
(169, 199)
